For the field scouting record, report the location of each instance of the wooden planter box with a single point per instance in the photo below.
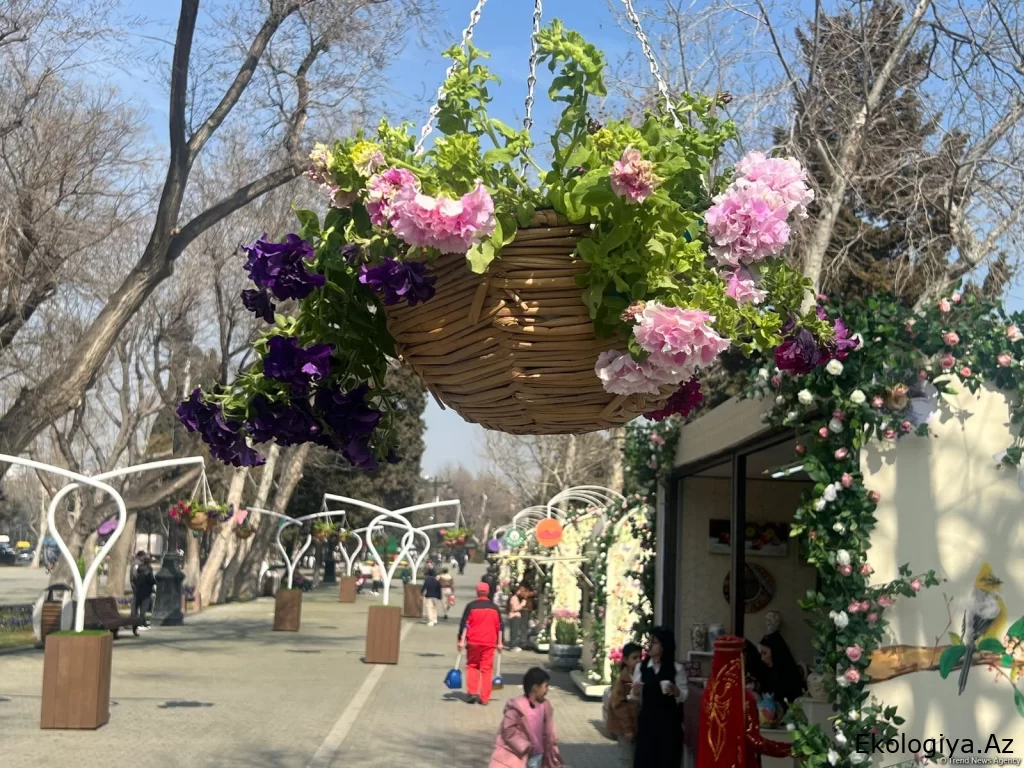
(347, 589)
(412, 604)
(383, 634)
(50, 621)
(76, 680)
(287, 610)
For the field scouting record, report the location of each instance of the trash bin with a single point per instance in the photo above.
(53, 611)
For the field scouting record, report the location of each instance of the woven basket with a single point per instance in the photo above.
(514, 349)
(198, 522)
(243, 533)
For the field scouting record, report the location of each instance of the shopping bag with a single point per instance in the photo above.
(453, 680)
(451, 599)
(499, 682)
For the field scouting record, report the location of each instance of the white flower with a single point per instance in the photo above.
(857, 757)
(840, 619)
(805, 397)
(838, 527)
(841, 739)
(834, 367)
(790, 727)
(842, 557)
(835, 426)
(829, 494)
(780, 400)
(833, 757)
(860, 341)
(762, 374)
(841, 681)
(854, 715)
(792, 416)
(857, 397)
(819, 505)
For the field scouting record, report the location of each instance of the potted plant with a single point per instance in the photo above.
(191, 514)
(456, 537)
(324, 530)
(565, 652)
(569, 299)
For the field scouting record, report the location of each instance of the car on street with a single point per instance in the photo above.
(7, 555)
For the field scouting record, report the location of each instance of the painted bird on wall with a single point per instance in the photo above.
(984, 617)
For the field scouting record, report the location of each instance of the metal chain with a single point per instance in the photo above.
(655, 70)
(531, 81)
(467, 33)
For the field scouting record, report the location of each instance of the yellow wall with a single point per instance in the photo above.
(701, 573)
(949, 507)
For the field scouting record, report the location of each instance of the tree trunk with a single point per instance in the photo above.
(120, 557)
(89, 555)
(246, 584)
(618, 441)
(44, 501)
(192, 566)
(211, 576)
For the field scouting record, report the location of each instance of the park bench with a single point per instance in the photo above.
(102, 613)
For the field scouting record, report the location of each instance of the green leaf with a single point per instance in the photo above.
(594, 296)
(503, 129)
(599, 195)
(637, 292)
(991, 645)
(1016, 630)
(955, 639)
(495, 156)
(587, 250)
(309, 220)
(620, 234)
(1006, 660)
(480, 256)
(1018, 700)
(579, 157)
(949, 659)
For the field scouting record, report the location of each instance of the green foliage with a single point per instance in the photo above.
(566, 632)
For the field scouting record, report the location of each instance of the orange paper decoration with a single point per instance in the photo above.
(548, 532)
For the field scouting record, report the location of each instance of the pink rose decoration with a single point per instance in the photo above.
(906, 426)
(852, 674)
(877, 402)
(965, 372)
(875, 496)
(801, 449)
(841, 453)
(956, 298)
(838, 414)
(853, 607)
(381, 190)
(632, 177)
(622, 375)
(776, 382)
(784, 175)
(885, 602)
(741, 286)
(812, 535)
(1013, 333)
(747, 224)
(854, 653)
(450, 226)
(916, 585)
(678, 338)
(890, 434)
(657, 439)
(846, 481)
(950, 338)
(1004, 360)
(865, 605)
(947, 361)
(866, 569)
(872, 618)
(845, 570)
(823, 432)
(944, 305)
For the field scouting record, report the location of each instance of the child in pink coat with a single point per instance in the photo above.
(527, 738)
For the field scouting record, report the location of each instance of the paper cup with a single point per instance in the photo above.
(666, 687)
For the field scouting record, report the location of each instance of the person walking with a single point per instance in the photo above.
(624, 707)
(447, 582)
(517, 619)
(431, 591)
(143, 586)
(377, 578)
(526, 738)
(660, 683)
(491, 580)
(480, 633)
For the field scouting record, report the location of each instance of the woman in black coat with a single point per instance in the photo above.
(661, 686)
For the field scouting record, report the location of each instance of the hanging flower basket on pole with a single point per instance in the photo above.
(532, 300)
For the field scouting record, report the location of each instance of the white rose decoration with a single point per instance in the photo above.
(829, 494)
(842, 557)
(834, 367)
(780, 400)
(792, 416)
(841, 739)
(762, 374)
(835, 426)
(841, 681)
(840, 619)
(854, 715)
(857, 397)
(857, 757)
(838, 527)
(833, 757)
(805, 397)
(819, 505)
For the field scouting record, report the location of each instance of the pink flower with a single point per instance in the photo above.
(956, 298)
(632, 177)
(1013, 333)
(950, 338)
(776, 382)
(854, 653)
(853, 607)
(906, 426)
(381, 190)
(866, 569)
(885, 602)
(838, 414)
(823, 432)
(340, 198)
(784, 175)
(450, 226)
(812, 535)
(747, 224)
(841, 453)
(852, 674)
(800, 449)
(845, 570)
(889, 434)
(1004, 360)
(909, 325)
(947, 361)
(965, 372)
(872, 618)
(944, 305)
(656, 439)
(677, 338)
(846, 480)
(865, 605)
(916, 585)
(922, 375)
(875, 496)
(742, 287)
(877, 402)
(622, 375)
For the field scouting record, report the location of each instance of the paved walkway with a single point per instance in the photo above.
(225, 690)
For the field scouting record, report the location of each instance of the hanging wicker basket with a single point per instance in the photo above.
(514, 349)
(199, 521)
(243, 532)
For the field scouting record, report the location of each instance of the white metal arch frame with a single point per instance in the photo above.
(392, 520)
(283, 522)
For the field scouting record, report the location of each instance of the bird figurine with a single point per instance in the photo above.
(985, 616)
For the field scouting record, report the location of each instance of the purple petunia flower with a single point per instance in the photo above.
(347, 413)
(842, 345)
(351, 252)
(280, 267)
(288, 362)
(798, 354)
(358, 452)
(397, 280)
(684, 401)
(194, 411)
(259, 303)
(222, 435)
